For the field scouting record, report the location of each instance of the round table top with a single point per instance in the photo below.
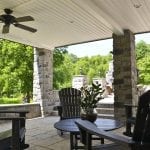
(68, 125)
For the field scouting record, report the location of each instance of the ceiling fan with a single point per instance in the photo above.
(8, 19)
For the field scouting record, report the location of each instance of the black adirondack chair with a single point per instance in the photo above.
(14, 139)
(69, 107)
(141, 133)
(70, 99)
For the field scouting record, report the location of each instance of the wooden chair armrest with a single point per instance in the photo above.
(91, 128)
(59, 108)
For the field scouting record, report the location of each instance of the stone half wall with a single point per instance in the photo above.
(34, 109)
(43, 80)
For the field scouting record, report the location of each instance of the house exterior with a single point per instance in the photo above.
(79, 81)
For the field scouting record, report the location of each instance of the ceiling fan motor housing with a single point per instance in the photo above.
(8, 19)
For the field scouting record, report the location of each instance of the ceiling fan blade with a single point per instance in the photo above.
(25, 18)
(1, 18)
(25, 27)
(5, 29)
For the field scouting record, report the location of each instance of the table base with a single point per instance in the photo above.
(74, 137)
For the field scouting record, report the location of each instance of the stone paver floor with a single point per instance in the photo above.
(41, 135)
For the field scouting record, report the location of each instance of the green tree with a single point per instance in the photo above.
(95, 66)
(143, 62)
(16, 69)
(142, 49)
(58, 72)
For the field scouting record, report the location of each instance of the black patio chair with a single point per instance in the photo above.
(70, 99)
(14, 139)
(141, 134)
(69, 107)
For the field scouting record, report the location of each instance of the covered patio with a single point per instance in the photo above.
(66, 22)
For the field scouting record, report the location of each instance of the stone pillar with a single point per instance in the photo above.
(125, 72)
(43, 80)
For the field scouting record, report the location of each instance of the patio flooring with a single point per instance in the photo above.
(41, 135)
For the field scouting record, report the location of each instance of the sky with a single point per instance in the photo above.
(102, 47)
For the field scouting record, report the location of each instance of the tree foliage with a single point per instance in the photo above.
(58, 60)
(143, 62)
(69, 65)
(16, 68)
(95, 66)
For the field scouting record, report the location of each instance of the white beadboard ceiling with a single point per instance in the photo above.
(65, 22)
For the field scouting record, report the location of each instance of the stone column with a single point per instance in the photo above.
(125, 72)
(43, 80)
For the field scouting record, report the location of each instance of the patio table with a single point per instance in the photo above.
(68, 125)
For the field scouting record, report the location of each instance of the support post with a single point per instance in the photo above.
(43, 80)
(125, 72)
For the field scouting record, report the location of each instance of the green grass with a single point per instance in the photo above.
(6, 100)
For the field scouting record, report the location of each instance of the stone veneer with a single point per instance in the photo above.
(125, 72)
(34, 110)
(43, 80)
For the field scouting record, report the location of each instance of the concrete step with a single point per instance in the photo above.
(108, 116)
(105, 105)
(105, 110)
(54, 113)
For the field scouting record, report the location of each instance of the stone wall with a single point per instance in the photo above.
(125, 72)
(43, 80)
(34, 109)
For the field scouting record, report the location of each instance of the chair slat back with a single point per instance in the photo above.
(70, 99)
(141, 131)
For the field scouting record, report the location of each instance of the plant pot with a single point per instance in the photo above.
(90, 116)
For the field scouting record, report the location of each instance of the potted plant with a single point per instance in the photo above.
(90, 96)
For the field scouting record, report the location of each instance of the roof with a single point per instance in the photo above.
(66, 22)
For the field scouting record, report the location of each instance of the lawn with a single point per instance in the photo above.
(6, 100)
